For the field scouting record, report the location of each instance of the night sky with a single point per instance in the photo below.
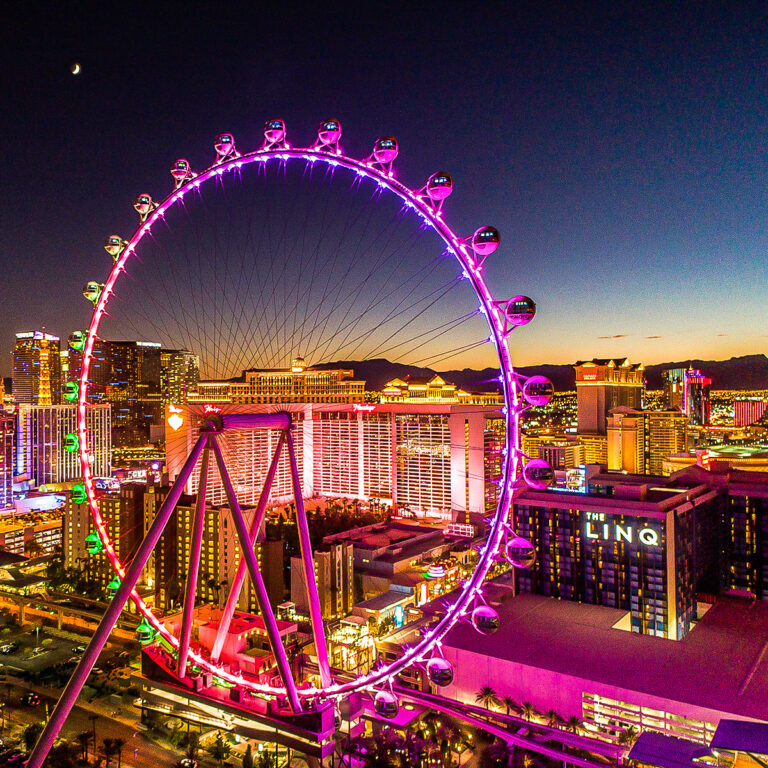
(619, 149)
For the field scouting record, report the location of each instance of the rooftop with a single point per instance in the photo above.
(722, 664)
(384, 600)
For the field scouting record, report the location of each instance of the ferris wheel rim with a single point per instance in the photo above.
(489, 306)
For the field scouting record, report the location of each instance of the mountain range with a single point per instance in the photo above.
(739, 373)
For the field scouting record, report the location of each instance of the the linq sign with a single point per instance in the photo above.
(602, 529)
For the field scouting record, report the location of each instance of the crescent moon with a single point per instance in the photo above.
(75, 69)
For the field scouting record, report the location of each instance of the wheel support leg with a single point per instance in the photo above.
(77, 681)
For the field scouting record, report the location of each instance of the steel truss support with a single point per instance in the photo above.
(195, 549)
(262, 597)
(308, 566)
(98, 641)
(237, 584)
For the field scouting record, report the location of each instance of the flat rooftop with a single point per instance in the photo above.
(722, 664)
(384, 600)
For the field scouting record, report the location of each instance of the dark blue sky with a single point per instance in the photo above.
(618, 147)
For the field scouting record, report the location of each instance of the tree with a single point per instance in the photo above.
(510, 705)
(628, 736)
(496, 754)
(33, 549)
(110, 750)
(248, 757)
(487, 697)
(31, 734)
(574, 724)
(190, 741)
(84, 739)
(219, 750)
(553, 719)
(119, 744)
(62, 755)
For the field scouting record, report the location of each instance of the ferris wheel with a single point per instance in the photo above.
(275, 253)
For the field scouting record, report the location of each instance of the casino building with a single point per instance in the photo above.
(636, 543)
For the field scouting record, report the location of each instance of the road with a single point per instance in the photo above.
(138, 752)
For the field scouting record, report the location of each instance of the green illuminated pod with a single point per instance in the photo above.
(71, 443)
(70, 391)
(112, 587)
(78, 494)
(93, 543)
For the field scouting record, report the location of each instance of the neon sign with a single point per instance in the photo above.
(589, 377)
(598, 528)
(175, 419)
(208, 408)
(360, 408)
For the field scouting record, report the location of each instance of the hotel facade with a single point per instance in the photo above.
(637, 544)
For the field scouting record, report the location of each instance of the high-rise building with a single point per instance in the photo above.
(696, 397)
(46, 442)
(37, 368)
(137, 378)
(180, 372)
(563, 454)
(746, 412)
(673, 385)
(639, 441)
(601, 386)
(7, 440)
(433, 389)
(628, 543)
(334, 576)
(134, 390)
(297, 384)
(123, 513)
(626, 440)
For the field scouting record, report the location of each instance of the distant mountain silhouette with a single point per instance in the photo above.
(741, 373)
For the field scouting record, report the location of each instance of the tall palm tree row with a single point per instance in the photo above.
(487, 697)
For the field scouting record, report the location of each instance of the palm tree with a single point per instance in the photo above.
(219, 750)
(628, 736)
(529, 711)
(109, 750)
(30, 735)
(84, 740)
(191, 743)
(553, 719)
(574, 724)
(248, 757)
(119, 744)
(487, 697)
(510, 705)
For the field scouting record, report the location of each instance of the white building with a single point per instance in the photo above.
(43, 433)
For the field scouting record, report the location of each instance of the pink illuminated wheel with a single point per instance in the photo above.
(286, 253)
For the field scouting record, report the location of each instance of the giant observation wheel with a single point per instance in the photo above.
(331, 325)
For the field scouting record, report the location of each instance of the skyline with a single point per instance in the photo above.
(630, 140)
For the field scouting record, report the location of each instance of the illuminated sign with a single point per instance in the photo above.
(175, 419)
(589, 377)
(30, 335)
(148, 344)
(208, 408)
(599, 528)
(359, 407)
